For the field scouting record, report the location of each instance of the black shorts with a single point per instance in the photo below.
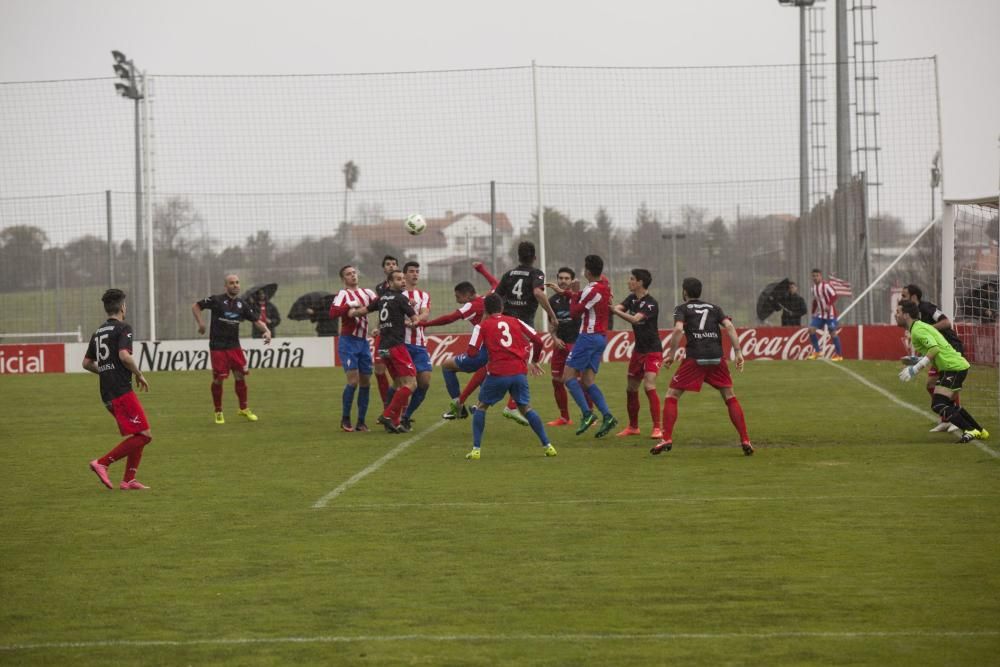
(952, 379)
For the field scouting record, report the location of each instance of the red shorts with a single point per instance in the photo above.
(376, 360)
(690, 376)
(398, 363)
(224, 361)
(645, 362)
(128, 413)
(558, 362)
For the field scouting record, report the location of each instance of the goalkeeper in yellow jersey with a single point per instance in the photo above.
(932, 348)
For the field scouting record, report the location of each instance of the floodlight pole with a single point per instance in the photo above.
(803, 6)
(129, 87)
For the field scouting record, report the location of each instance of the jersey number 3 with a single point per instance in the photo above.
(505, 338)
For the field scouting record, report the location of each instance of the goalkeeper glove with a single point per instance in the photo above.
(910, 372)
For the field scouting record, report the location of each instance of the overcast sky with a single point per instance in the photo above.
(60, 39)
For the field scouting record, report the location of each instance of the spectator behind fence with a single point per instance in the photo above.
(793, 307)
(267, 314)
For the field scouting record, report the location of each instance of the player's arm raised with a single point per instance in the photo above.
(620, 311)
(485, 273)
(734, 340)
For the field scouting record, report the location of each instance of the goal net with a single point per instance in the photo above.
(976, 226)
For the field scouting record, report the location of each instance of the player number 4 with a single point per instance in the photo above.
(518, 289)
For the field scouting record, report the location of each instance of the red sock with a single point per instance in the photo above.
(133, 463)
(477, 379)
(399, 400)
(669, 417)
(383, 385)
(736, 416)
(511, 404)
(954, 399)
(123, 449)
(559, 389)
(241, 393)
(586, 395)
(654, 406)
(217, 396)
(632, 400)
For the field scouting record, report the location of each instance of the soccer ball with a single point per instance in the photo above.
(415, 224)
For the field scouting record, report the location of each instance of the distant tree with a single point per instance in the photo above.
(87, 260)
(260, 250)
(351, 173)
(172, 222)
(21, 256)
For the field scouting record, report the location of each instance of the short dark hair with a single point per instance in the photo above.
(693, 287)
(910, 308)
(492, 303)
(566, 269)
(387, 258)
(465, 287)
(406, 267)
(344, 268)
(594, 264)
(817, 271)
(525, 252)
(914, 291)
(643, 276)
(792, 283)
(113, 300)
(393, 273)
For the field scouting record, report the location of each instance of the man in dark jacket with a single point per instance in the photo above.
(793, 307)
(267, 313)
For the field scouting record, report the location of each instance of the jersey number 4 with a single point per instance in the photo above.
(518, 288)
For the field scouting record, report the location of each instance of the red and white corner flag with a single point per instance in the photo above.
(840, 287)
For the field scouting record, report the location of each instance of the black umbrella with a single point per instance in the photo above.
(318, 302)
(770, 299)
(268, 288)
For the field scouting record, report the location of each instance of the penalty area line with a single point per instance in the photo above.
(514, 637)
(902, 403)
(391, 454)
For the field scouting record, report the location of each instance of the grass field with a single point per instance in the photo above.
(853, 536)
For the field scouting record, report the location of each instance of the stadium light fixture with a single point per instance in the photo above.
(130, 86)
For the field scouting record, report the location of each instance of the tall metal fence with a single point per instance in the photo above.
(685, 171)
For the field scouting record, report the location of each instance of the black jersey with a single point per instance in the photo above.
(567, 328)
(703, 324)
(227, 313)
(931, 314)
(647, 332)
(517, 288)
(381, 288)
(393, 307)
(112, 337)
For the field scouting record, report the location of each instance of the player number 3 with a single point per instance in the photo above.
(505, 338)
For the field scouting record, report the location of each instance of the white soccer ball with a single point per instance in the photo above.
(415, 224)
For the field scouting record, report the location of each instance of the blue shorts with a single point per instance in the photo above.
(588, 350)
(495, 387)
(468, 364)
(421, 358)
(355, 355)
(818, 323)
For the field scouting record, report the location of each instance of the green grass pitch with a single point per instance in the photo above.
(853, 536)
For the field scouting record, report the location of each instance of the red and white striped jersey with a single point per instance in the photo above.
(824, 297)
(419, 300)
(473, 311)
(592, 306)
(345, 299)
(507, 341)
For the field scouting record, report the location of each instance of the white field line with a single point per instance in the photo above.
(656, 501)
(904, 404)
(501, 638)
(391, 454)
